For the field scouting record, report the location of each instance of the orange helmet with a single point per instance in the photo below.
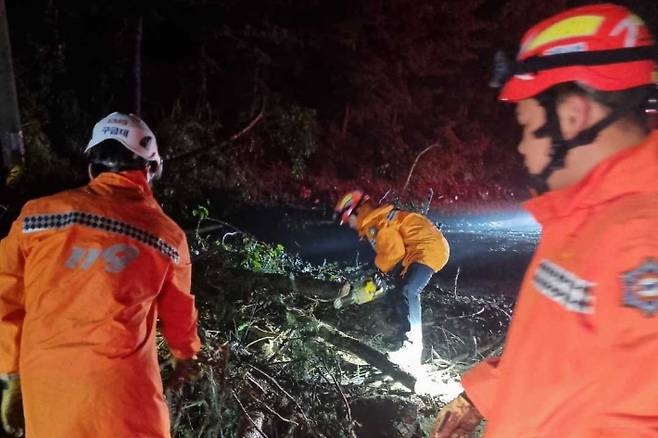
(348, 204)
(605, 47)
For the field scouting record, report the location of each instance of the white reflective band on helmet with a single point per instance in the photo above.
(130, 131)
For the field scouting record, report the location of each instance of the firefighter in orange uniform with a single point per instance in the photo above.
(579, 359)
(84, 275)
(405, 243)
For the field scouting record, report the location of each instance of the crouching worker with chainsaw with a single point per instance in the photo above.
(84, 275)
(406, 244)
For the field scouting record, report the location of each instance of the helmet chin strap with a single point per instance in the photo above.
(560, 147)
(154, 171)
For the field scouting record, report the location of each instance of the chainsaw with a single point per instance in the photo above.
(362, 292)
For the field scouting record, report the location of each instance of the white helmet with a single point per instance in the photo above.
(130, 131)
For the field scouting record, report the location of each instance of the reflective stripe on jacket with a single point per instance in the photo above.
(84, 274)
(580, 356)
(398, 235)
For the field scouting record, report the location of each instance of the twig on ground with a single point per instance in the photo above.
(266, 338)
(342, 394)
(466, 316)
(291, 336)
(348, 410)
(503, 310)
(218, 225)
(456, 278)
(437, 358)
(255, 382)
(452, 334)
(244, 411)
(448, 339)
(278, 385)
(448, 365)
(228, 235)
(318, 300)
(272, 411)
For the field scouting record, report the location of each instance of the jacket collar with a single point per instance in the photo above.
(632, 170)
(372, 217)
(131, 179)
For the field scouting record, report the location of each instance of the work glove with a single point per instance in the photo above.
(11, 407)
(185, 370)
(14, 176)
(457, 419)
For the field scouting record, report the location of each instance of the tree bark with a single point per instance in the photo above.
(378, 360)
(11, 139)
(251, 426)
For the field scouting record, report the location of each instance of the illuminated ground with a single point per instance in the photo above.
(466, 310)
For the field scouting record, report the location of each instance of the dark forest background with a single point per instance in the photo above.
(348, 92)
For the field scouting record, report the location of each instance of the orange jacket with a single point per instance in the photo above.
(398, 235)
(84, 274)
(580, 355)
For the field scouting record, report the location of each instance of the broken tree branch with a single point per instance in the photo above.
(278, 385)
(248, 432)
(272, 411)
(411, 171)
(373, 357)
(231, 139)
(348, 410)
(249, 280)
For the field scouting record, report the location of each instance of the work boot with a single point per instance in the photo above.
(408, 356)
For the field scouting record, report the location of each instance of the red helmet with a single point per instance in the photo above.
(348, 203)
(605, 47)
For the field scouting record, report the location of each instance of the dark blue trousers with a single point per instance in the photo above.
(408, 307)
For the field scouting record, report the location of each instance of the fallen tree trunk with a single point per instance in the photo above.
(373, 357)
(249, 281)
(225, 279)
(343, 342)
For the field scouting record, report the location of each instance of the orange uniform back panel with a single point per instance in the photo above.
(84, 275)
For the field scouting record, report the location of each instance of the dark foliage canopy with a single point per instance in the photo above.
(350, 92)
